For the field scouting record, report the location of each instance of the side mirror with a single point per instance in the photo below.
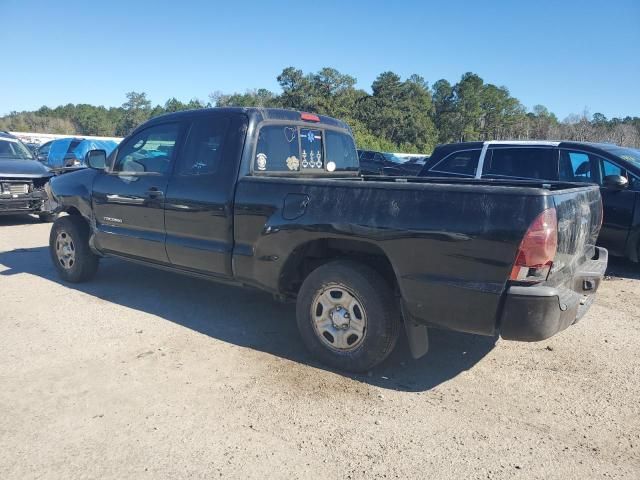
(616, 182)
(96, 159)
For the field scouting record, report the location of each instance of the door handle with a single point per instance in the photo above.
(126, 200)
(154, 193)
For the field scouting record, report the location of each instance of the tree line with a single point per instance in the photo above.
(397, 115)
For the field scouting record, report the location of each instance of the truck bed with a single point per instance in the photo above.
(451, 243)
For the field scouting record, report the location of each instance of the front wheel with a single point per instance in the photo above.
(69, 249)
(348, 316)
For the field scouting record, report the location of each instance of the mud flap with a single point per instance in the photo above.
(417, 335)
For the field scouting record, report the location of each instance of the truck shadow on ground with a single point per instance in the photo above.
(13, 220)
(622, 268)
(249, 318)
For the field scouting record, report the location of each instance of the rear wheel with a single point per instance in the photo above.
(69, 249)
(348, 316)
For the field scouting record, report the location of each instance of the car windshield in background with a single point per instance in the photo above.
(393, 158)
(10, 148)
(629, 154)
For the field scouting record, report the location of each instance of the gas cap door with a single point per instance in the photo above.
(295, 205)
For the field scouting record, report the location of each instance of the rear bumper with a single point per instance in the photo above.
(533, 313)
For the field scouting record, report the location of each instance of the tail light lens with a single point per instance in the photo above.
(537, 249)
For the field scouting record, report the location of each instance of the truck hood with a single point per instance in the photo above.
(15, 168)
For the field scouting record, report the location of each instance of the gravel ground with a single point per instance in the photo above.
(146, 374)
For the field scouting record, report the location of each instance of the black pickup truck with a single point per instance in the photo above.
(272, 199)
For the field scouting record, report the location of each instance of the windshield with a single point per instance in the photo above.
(13, 148)
(629, 154)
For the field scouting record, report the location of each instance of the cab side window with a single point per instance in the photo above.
(202, 152)
(524, 162)
(148, 151)
(462, 163)
(575, 167)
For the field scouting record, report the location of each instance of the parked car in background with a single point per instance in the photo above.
(615, 169)
(33, 147)
(391, 164)
(413, 162)
(66, 154)
(271, 198)
(22, 180)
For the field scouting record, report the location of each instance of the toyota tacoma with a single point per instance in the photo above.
(273, 199)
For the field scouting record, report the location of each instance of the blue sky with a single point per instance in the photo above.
(567, 55)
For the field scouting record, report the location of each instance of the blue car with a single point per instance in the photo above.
(66, 154)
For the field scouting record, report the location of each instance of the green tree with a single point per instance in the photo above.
(136, 109)
(252, 98)
(397, 115)
(400, 112)
(468, 93)
(444, 110)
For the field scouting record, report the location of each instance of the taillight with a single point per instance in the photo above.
(309, 117)
(537, 249)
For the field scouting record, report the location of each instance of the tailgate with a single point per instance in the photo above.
(579, 213)
(535, 312)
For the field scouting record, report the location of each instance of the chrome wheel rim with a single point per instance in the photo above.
(339, 320)
(65, 250)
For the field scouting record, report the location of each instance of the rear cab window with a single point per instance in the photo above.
(521, 162)
(291, 149)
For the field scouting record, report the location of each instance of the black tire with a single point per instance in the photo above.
(47, 217)
(380, 307)
(73, 229)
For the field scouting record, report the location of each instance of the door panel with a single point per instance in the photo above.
(199, 199)
(618, 207)
(525, 162)
(129, 201)
(130, 215)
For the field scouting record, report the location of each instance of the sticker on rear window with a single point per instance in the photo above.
(293, 163)
(311, 144)
(261, 161)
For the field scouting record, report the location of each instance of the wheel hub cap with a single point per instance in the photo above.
(65, 250)
(339, 318)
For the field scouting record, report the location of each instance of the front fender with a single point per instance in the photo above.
(72, 191)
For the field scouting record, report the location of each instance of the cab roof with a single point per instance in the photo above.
(255, 114)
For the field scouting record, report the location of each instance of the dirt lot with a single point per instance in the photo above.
(146, 374)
